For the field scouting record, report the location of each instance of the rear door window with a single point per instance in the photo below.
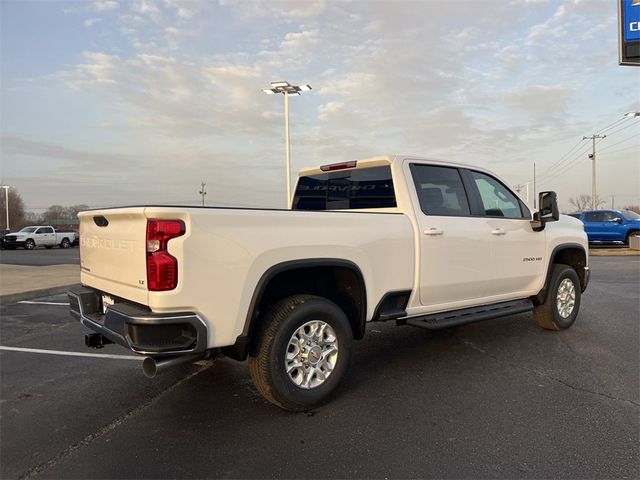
(346, 190)
(594, 217)
(440, 190)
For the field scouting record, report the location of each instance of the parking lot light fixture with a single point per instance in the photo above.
(287, 89)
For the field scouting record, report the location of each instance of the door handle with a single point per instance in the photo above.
(498, 231)
(432, 232)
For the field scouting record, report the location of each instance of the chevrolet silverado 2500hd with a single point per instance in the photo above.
(423, 243)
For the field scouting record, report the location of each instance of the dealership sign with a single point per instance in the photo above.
(629, 34)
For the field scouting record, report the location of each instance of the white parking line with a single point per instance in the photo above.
(42, 303)
(72, 354)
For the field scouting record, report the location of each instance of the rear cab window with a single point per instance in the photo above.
(352, 189)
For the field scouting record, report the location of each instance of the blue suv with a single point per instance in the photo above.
(609, 225)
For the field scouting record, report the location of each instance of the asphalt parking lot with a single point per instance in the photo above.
(40, 256)
(499, 399)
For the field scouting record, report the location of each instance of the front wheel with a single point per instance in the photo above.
(303, 352)
(632, 233)
(29, 244)
(562, 304)
(65, 243)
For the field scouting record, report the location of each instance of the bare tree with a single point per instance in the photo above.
(633, 208)
(583, 202)
(16, 209)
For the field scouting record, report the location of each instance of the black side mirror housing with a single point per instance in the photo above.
(548, 202)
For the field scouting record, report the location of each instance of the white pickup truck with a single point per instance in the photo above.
(419, 242)
(38, 236)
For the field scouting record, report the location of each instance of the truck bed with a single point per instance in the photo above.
(225, 252)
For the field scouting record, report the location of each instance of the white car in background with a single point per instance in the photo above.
(38, 236)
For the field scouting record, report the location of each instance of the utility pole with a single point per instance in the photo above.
(202, 191)
(6, 202)
(534, 184)
(592, 156)
(613, 197)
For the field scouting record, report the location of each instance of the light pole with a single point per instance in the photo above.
(6, 201)
(286, 89)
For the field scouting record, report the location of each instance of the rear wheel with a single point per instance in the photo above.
(65, 243)
(562, 304)
(29, 244)
(303, 352)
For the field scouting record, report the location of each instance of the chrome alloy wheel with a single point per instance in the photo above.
(566, 297)
(312, 354)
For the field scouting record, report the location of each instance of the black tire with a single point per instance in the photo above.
(547, 314)
(65, 243)
(267, 363)
(630, 234)
(29, 244)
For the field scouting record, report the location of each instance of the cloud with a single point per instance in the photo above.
(541, 100)
(90, 22)
(105, 5)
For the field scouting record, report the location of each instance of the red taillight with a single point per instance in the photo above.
(339, 166)
(162, 268)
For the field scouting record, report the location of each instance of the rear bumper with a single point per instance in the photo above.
(137, 328)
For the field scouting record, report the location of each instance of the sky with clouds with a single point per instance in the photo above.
(127, 102)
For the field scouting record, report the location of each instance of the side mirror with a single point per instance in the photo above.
(548, 210)
(618, 220)
(548, 207)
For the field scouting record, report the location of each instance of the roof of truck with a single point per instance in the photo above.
(378, 161)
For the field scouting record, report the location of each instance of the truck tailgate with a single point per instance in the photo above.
(113, 252)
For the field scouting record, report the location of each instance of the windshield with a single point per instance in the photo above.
(630, 215)
(28, 229)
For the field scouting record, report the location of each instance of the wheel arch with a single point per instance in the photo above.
(338, 280)
(571, 254)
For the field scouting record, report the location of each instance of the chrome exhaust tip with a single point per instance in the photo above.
(152, 367)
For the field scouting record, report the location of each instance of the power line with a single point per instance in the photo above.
(631, 124)
(621, 141)
(637, 147)
(621, 119)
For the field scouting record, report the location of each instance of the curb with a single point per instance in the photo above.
(41, 292)
(614, 252)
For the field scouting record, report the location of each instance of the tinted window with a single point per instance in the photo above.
(630, 215)
(593, 217)
(28, 230)
(440, 190)
(497, 200)
(346, 190)
(610, 216)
